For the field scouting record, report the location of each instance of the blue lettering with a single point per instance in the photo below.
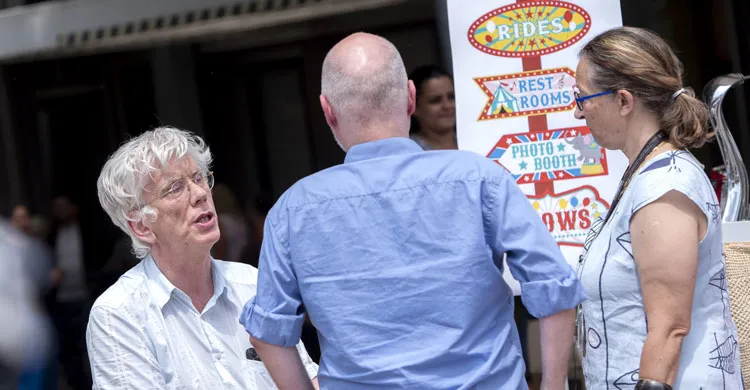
(557, 98)
(554, 162)
(566, 97)
(534, 101)
(549, 82)
(524, 102)
(537, 164)
(545, 100)
(549, 148)
(571, 159)
(532, 85)
(522, 85)
(521, 151)
(540, 83)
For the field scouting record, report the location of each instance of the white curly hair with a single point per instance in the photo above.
(131, 168)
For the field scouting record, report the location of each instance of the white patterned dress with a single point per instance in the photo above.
(613, 316)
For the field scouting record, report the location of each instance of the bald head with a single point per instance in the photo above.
(365, 84)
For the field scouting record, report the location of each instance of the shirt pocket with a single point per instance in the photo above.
(257, 375)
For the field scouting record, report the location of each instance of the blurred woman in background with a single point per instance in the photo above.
(433, 125)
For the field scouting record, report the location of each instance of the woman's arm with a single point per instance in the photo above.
(665, 236)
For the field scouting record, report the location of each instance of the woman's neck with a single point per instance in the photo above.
(440, 139)
(637, 135)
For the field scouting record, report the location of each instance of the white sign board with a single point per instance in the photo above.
(514, 70)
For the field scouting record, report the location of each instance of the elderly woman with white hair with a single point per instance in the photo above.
(172, 320)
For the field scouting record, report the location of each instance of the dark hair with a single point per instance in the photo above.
(420, 76)
(641, 62)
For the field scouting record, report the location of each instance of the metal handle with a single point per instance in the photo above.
(735, 201)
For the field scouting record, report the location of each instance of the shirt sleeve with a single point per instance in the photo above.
(548, 283)
(119, 355)
(274, 315)
(657, 180)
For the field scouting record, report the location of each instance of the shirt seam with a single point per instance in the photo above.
(299, 206)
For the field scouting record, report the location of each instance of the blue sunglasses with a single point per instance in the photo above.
(580, 99)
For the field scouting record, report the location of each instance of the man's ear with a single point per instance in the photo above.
(328, 112)
(412, 98)
(142, 231)
(626, 101)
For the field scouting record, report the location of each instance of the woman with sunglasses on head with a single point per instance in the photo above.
(658, 311)
(172, 321)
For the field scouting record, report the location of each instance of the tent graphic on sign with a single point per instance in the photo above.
(503, 102)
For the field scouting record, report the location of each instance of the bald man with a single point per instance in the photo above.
(396, 254)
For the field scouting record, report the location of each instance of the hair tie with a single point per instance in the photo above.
(678, 93)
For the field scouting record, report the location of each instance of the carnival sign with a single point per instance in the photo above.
(529, 29)
(569, 215)
(534, 92)
(560, 154)
(514, 67)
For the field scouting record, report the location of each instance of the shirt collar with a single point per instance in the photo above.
(381, 148)
(161, 288)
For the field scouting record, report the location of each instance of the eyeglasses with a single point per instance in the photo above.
(580, 99)
(179, 187)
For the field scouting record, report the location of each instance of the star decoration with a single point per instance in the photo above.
(561, 147)
(529, 14)
(523, 165)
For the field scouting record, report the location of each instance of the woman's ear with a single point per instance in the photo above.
(626, 101)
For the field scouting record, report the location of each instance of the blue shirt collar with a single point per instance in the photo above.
(381, 148)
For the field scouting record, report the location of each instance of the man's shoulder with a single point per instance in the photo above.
(129, 289)
(449, 165)
(426, 163)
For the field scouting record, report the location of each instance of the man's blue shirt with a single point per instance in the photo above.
(396, 255)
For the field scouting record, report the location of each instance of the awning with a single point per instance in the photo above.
(77, 27)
